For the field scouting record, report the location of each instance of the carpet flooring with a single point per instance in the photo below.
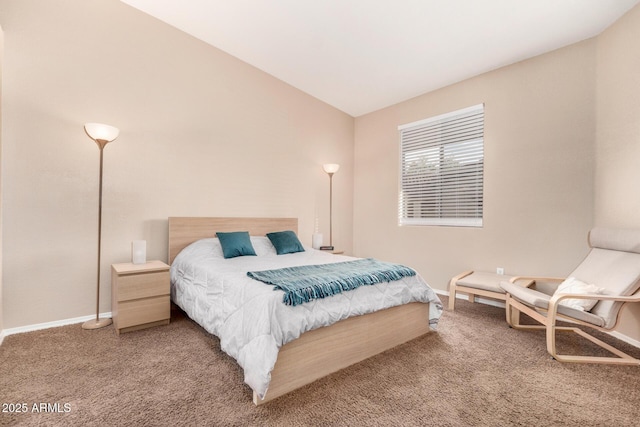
(474, 371)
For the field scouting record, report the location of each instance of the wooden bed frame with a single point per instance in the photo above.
(322, 351)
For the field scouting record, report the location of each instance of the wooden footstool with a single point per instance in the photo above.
(477, 283)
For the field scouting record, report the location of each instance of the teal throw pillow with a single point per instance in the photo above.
(235, 244)
(285, 242)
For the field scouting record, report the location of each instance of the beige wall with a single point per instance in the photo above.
(562, 139)
(205, 134)
(202, 133)
(1, 156)
(538, 194)
(617, 174)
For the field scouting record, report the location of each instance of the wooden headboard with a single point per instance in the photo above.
(186, 230)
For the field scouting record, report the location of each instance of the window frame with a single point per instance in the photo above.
(439, 215)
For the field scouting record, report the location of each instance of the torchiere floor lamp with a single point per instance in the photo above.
(330, 169)
(102, 135)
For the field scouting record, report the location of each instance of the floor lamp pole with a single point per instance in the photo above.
(99, 239)
(97, 322)
(330, 169)
(331, 209)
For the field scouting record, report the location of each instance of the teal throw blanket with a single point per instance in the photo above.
(308, 282)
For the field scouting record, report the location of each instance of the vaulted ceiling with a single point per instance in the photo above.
(364, 55)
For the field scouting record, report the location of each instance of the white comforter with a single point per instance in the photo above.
(249, 316)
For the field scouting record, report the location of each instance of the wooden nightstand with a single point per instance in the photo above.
(139, 295)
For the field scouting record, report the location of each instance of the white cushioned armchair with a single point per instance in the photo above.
(609, 276)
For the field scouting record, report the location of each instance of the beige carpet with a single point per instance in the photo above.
(474, 371)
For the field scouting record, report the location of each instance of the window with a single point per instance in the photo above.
(442, 165)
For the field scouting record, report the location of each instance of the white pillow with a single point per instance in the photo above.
(575, 286)
(262, 245)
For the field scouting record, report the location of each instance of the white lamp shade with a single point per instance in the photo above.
(331, 167)
(316, 240)
(139, 251)
(100, 132)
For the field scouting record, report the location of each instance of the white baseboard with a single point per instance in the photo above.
(500, 304)
(47, 325)
(625, 338)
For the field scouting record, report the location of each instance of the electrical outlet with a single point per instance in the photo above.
(499, 270)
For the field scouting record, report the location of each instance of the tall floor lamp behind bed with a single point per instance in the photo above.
(102, 135)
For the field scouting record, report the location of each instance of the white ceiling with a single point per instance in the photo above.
(363, 55)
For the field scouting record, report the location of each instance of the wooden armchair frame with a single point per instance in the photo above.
(548, 319)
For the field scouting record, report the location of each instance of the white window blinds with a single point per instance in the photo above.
(442, 168)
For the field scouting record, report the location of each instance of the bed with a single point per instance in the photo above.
(303, 352)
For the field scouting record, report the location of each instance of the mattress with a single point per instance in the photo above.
(250, 318)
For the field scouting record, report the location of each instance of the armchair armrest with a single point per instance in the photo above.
(534, 278)
(552, 310)
(531, 280)
(557, 297)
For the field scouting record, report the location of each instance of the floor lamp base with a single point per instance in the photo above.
(96, 323)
